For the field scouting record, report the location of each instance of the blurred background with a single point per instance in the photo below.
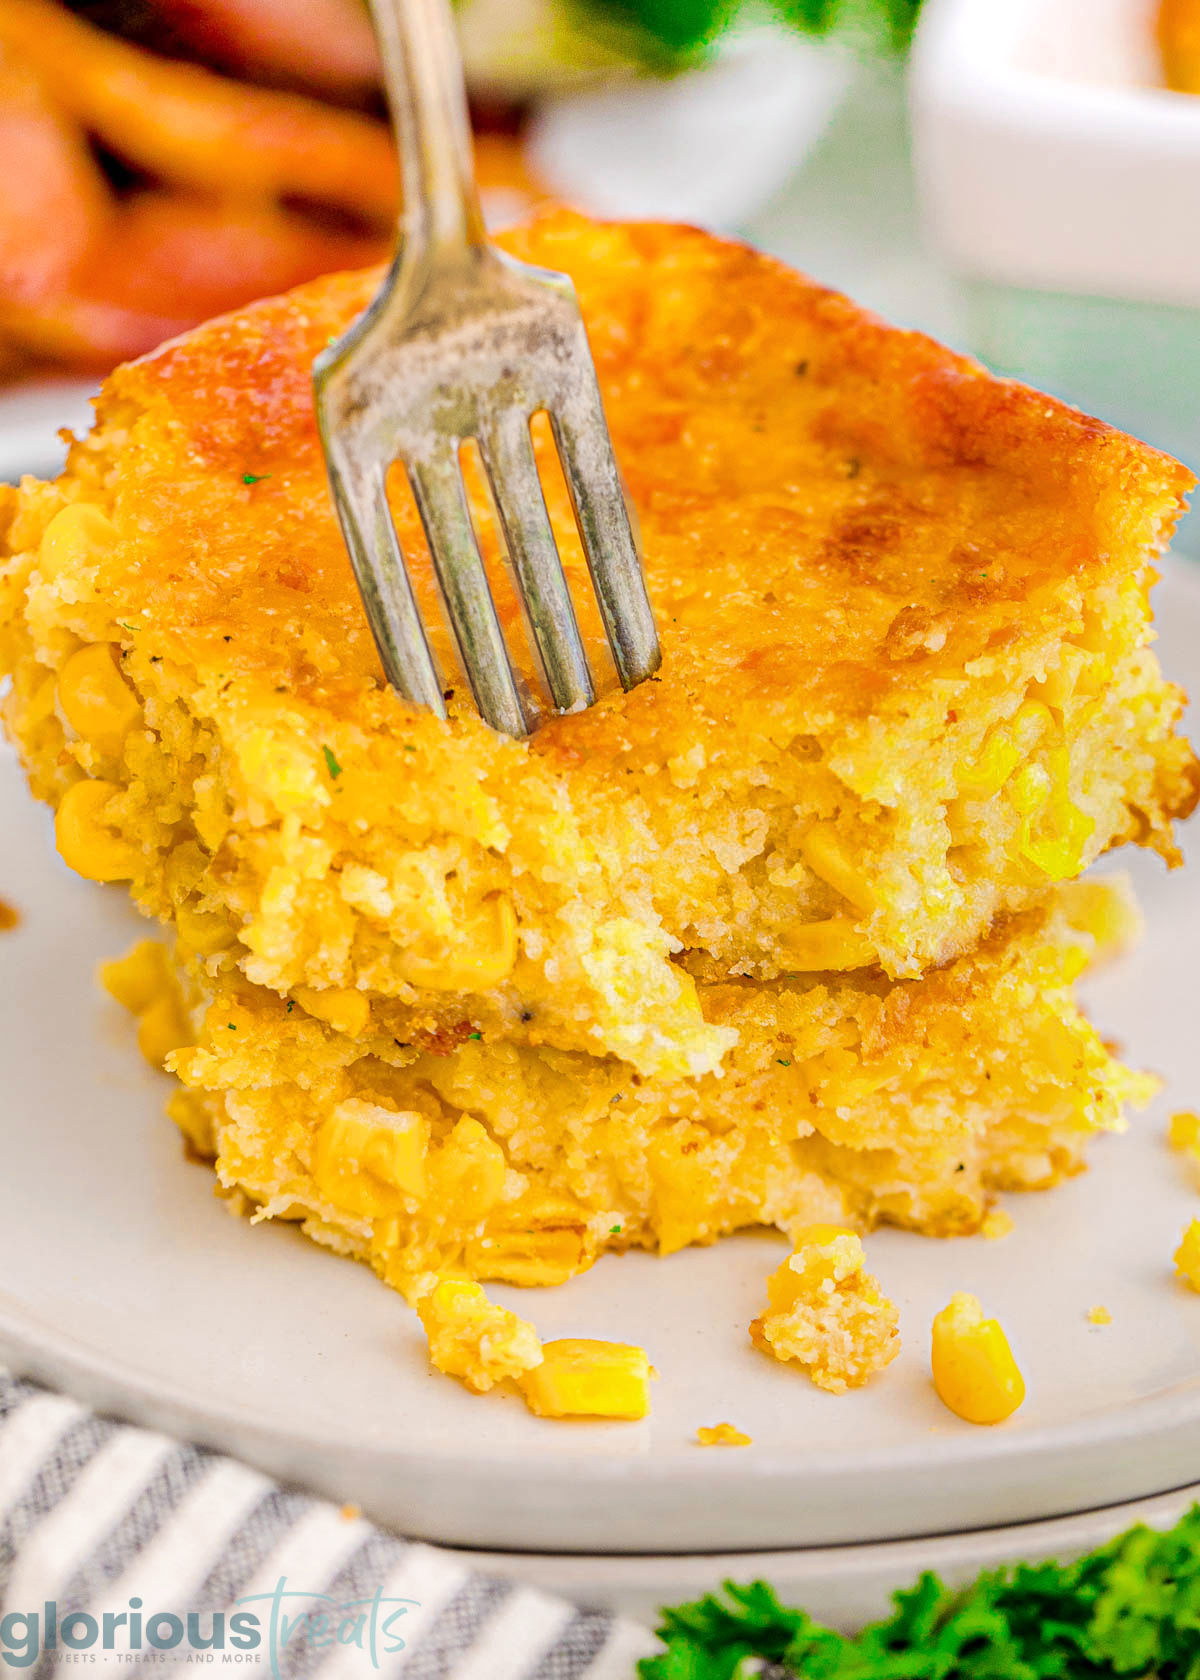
(1018, 177)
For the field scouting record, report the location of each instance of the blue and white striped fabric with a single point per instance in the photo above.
(113, 1539)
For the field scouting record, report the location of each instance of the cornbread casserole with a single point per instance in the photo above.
(771, 939)
(846, 1100)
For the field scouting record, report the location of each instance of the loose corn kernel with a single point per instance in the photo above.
(473, 1339)
(77, 535)
(582, 1378)
(974, 1371)
(85, 842)
(207, 932)
(1183, 1132)
(1187, 1256)
(723, 1435)
(140, 976)
(826, 1313)
(822, 849)
(95, 698)
(369, 1160)
(162, 1027)
(343, 1008)
(469, 1169)
(829, 945)
(488, 964)
(997, 1223)
(1099, 1316)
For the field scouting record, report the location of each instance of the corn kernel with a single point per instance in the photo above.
(206, 932)
(469, 1168)
(830, 945)
(987, 772)
(85, 842)
(347, 1011)
(473, 1339)
(974, 1371)
(1029, 789)
(77, 536)
(368, 1161)
(486, 965)
(1187, 1256)
(1099, 1316)
(997, 1223)
(137, 978)
(723, 1435)
(530, 1259)
(823, 851)
(1059, 850)
(582, 1378)
(1183, 1132)
(95, 698)
(162, 1027)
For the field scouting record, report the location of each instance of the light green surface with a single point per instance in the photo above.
(1136, 364)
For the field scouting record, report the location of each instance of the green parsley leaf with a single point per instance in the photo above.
(783, 1061)
(1130, 1609)
(331, 764)
(254, 478)
(474, 1035)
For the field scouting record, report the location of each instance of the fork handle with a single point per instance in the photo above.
(441, 219)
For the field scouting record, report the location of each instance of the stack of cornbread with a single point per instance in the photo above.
(785, 935)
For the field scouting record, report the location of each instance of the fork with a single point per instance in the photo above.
(462, 342)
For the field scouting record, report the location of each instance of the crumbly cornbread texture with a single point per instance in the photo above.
(844, 1100)
(905, 682)
(827, 1314)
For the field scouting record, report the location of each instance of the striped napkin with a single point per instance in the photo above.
(126, 1552)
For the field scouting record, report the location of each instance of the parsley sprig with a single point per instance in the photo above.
(671, 31)
(1131, 1609)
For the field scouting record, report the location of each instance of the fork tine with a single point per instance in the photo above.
(442, 503)
(507, 451)
(387, 593)
(585, 450)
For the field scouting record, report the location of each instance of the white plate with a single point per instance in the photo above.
(843, 1586)
(123, 1280)
(32, 414)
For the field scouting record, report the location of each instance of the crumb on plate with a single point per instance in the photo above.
(826, 1313)
(722, 1435)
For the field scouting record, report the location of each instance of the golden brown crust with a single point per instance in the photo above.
(939, 512)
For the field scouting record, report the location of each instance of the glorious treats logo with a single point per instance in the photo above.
(254, 1633)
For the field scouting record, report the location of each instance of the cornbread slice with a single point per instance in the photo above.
(905, 687)
(845, 1100)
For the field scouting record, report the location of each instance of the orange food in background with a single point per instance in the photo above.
(1179, 41)
(155, 192)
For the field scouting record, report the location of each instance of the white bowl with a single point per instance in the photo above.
(1062, 182)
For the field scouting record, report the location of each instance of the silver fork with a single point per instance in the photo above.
(464, 343)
